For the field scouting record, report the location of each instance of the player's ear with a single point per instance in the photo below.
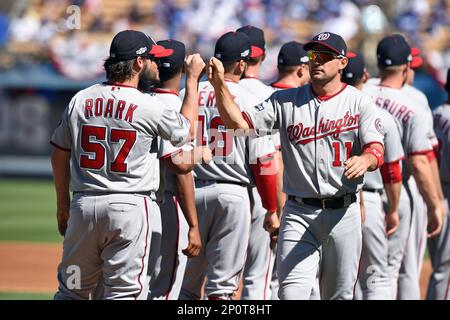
(365, 75)
(343, 63)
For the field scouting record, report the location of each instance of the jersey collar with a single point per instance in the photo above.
(115, 84)
(164, 91)
(229, 80)
(325, 98)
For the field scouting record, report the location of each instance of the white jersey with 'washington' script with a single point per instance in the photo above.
(318, 134)
(109, 130)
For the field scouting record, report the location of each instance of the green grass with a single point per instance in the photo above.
(25, 296)
(27, 211)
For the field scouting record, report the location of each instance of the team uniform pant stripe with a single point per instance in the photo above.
(267, 274)
(145, 248)
(172, 277)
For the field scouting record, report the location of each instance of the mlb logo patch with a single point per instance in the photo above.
(259, 107)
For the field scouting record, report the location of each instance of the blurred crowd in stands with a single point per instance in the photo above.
(73, 36)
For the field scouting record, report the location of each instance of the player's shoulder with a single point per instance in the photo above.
(297, 94)
(443, 110)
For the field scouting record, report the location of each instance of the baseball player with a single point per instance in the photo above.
(180, 236)
(221, 194)
(408, 283)
(329, 139)
(260, 256)
(293, 72)
(374, 279)
(439, 247)
(394, 56)
(101, 147)
(293, 69)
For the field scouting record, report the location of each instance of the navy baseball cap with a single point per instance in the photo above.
(129, 44)
(257, 42)
(332, 41)
(354, 69)
(175, 59)
(393, 50)
(292, 54)
(233, 46)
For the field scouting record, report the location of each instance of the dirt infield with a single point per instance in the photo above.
(31, 267)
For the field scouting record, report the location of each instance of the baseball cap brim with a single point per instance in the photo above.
(256, 52)
(416, 62)
(159, 51)
(309, 45)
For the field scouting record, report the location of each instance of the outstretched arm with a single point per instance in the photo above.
(369, 160)
(229, 111)
(189, 109)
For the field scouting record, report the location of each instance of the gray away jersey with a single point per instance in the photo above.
(393, 150)
(109, 130)
(422, 104)
(409, 118)
(318, 134)
(442, 127)
(262, 92)
(231, 154)
(165, 148)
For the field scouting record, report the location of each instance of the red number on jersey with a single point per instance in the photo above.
(129, 137)
(337, 152)
(221, 142)
(99, 151)
(99, 133)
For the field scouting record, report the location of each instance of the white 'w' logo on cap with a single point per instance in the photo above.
(323, 36)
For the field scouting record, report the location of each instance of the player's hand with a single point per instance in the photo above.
(271, 222)
(356, 166)
(195, 243)
(392, 220)
(434, 221)
(62, 216)
(194, 66)
(206, 155)
(216, 72)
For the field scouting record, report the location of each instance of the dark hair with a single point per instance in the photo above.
(352, 81)
(229, 66)
(254, 61)
(165, 75)
(118, 71)
(287, 69)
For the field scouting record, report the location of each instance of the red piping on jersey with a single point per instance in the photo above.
(325, 98)
(360, 259)
(431, 156)
(145, 249)
(280, 85)
(248, 120)
(373, 142)
(423, 152)
(305, 141)
(448, 287)
(396, 160)
(251, 77)
(59, 147)
(174, 267)
(164, 91)
(422, 229)
(164, 157)
(267, 273)
(229, 80)
(116, 84)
